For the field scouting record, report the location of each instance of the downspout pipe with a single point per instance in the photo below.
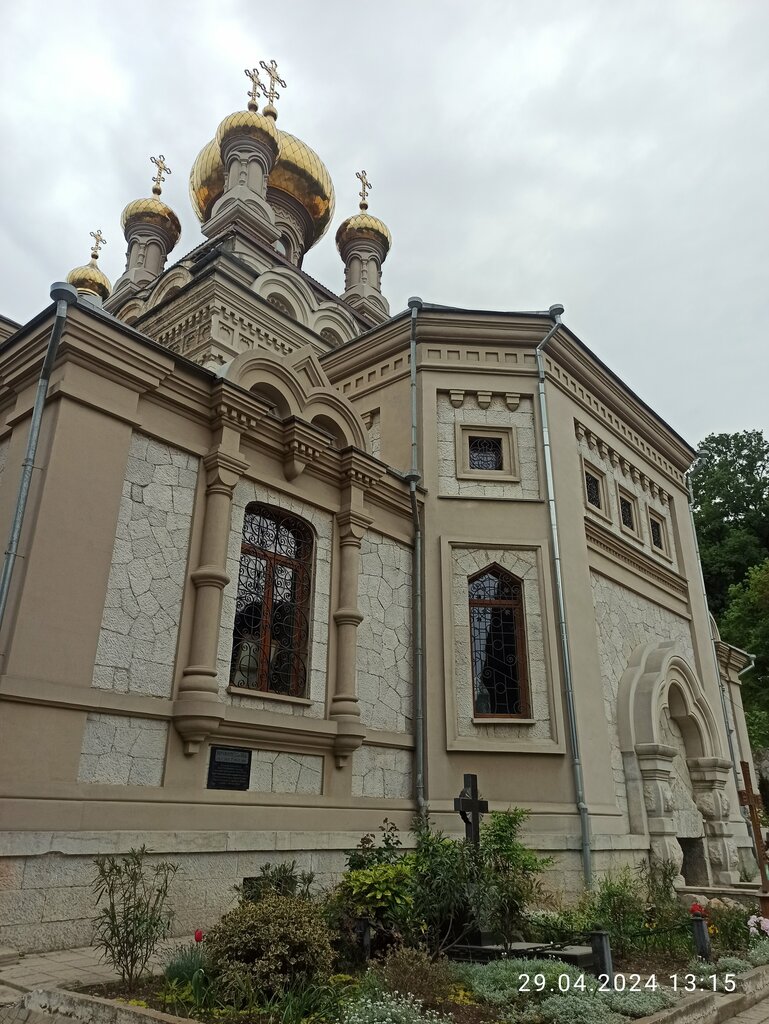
(64, 295)
(699, 460)
(413, 477)
(576, 760)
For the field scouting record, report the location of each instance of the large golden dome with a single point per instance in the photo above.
(152, 211)
(298, 171)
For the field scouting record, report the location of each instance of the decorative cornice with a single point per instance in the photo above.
(457, 398)
(302, 443)
(731, 660)
(605, 543)
(360, 469)
(606, 452)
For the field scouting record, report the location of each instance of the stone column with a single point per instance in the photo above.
(198, 710)
(709, 776)
(655, 761)
(352, 523)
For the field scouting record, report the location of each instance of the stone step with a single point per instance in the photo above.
(8, 956)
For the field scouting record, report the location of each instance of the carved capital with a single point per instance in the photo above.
(352, 526)
(302, 444)
(223, 470)
(360, 470)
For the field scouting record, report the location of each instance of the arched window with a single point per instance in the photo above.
(498, 645)
(272, 618)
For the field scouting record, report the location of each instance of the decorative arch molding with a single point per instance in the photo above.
(169, 284)
(659, 680)
(285, 290)
(304, 393)
(130, 312)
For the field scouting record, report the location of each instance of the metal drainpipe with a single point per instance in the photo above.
(413, 477)
(701, 454)
(576, 761)
(64, 295)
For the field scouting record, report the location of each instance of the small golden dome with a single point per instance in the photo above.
(251, 122)
(90, 279)
(298, 171)
(152, 211)
(363, 225)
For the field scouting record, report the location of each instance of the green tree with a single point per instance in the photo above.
(745, 624)
(731, 511)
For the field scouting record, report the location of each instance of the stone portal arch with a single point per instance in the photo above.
(668, 735)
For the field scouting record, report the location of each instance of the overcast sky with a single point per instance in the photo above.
(611, 155)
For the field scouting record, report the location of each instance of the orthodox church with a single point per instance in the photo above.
(289, 563)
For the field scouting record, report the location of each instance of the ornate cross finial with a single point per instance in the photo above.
(365, 189)
(160, 163)
(271, 70)
(257, 88)
(98, 241)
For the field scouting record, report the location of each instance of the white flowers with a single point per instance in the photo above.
(758, 925)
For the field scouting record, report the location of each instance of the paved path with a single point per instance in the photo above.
(81, 966)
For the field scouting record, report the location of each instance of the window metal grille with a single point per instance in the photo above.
(593, 489)
(498, 645)
(485, 453)
(272, 625)
(626, 512)
(657, 539)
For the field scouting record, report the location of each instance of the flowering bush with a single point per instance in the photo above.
(639, 1004)
(758, 954)
(576, 1009)
(758, 926)
(391, 1008)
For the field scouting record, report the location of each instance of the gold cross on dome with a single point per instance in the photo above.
(98, 241)
(257, 86)
(160, 163)
(366, 186)
(271, 70)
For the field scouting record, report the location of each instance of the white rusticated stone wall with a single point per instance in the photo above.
(375, 434)
(385, 682)
(687, 818)
(247, 491)
(496, 415)
(382, 772)
(466, 562)
(122, 751)
(613, 477)
(142, 608)
(273, 772)
(623, 621)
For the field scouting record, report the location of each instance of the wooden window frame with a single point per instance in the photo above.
(518, 607)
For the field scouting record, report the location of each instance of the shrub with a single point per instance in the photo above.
(367, 854)
(184, 962)
(617, 904)
(381, 892)
(732, 965)
(500, 981)
(758, 954)
(413, 970)
(576, 1009)
(639, 1004)
(391, 1008)
(282, 879)
(273, 944)
(728, 925)
(132, 918)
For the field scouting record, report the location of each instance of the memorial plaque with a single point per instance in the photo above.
(229, 768)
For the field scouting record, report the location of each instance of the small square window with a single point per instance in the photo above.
(593, 489)
(626, 512)
(485, 453)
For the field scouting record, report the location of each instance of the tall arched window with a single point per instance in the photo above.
(498, 644)
(272, 619)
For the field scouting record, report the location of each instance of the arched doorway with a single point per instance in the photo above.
(674, 766)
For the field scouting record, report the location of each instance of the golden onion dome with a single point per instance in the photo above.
(252, 123)
(90, 279)
(363, 225)
(298, 171)
(152, 211)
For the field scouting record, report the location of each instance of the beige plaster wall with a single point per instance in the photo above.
(523, 564)
(496, 414)
(623, 621)
(142, 608)
(384, 659)
(247, 491)
(123, 751)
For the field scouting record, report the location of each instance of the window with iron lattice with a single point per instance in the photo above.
(593, 489)
(627, 513)
(498, 645)
(658, 537)
(272, 619)
(485, 453)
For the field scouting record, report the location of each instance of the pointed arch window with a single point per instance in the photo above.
(498, 645)
(272, 619)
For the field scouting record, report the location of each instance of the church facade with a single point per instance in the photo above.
(291, 565)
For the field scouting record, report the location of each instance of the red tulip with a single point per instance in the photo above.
(697, 908)
(199, 935)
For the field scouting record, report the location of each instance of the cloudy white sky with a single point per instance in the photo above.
(611, 155)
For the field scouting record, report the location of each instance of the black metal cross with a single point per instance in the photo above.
(470, 809)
